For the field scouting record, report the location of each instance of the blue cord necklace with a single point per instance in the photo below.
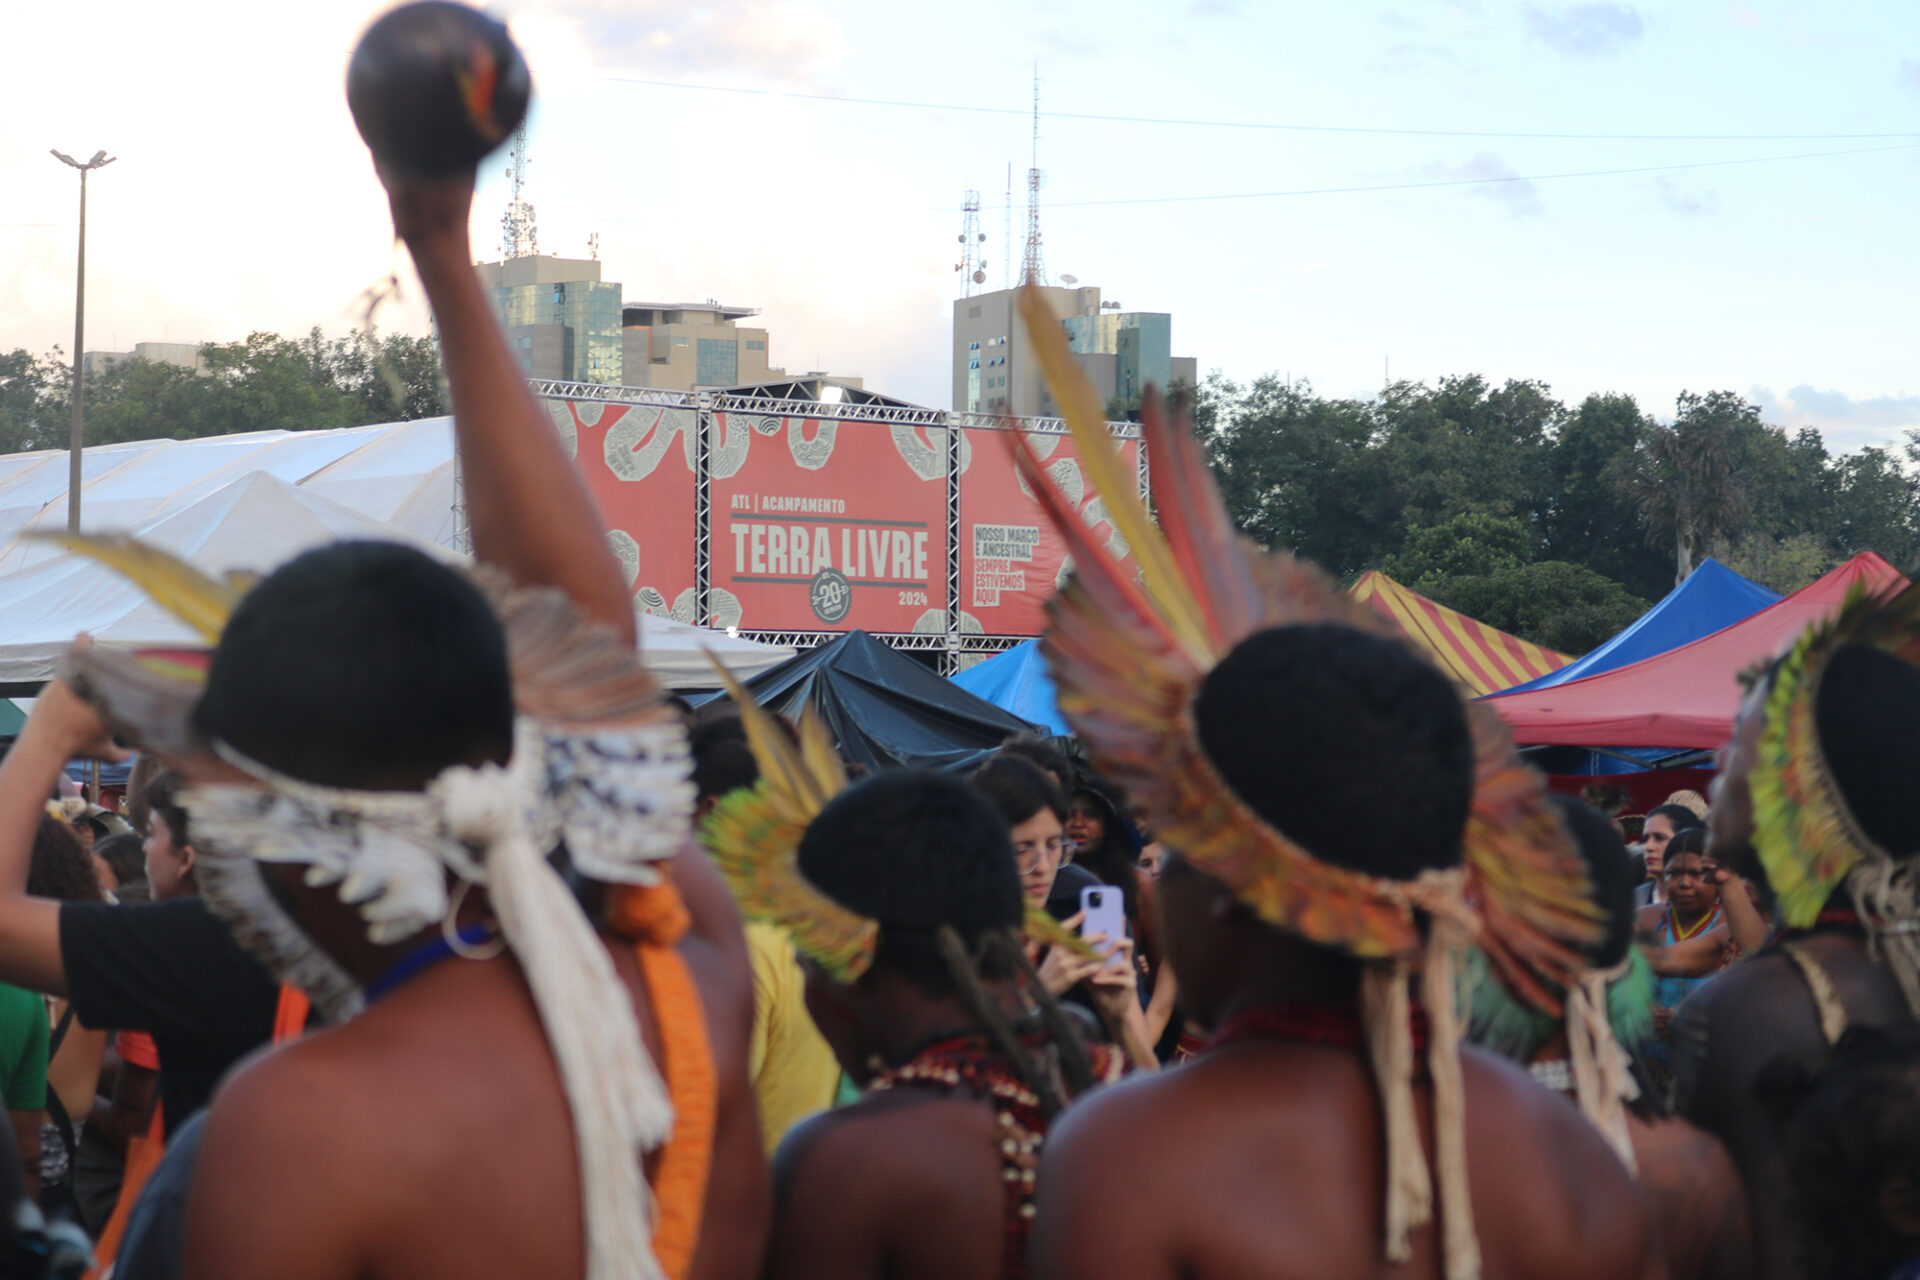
(423, 957)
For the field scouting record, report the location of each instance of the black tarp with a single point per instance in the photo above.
(883, 708)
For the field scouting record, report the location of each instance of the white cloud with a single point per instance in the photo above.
(1500, 182)
(1847, 423)
(1686, 204)
(765, 41)
(1910, 74)
(1585, 30)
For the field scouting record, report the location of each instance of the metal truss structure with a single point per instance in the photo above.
(951, 643)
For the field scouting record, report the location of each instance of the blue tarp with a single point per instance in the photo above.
(1017, 681)
(1712, 599)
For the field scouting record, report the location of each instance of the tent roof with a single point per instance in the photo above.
(1017, 681)
(883, 708)
(398, 473)
(1480, 657)
(256, 522)
(1713, 597)
(1685, 697)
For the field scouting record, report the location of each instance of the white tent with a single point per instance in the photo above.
(257, 521)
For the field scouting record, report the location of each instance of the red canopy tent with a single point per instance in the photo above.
(1685, 697)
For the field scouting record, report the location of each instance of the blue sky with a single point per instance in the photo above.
(1791, 280)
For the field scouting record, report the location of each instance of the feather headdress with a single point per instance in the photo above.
(754, 836)
(1128, 647)
(597, 761)
(1806, 836)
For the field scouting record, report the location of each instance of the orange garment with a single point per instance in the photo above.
(655, 919)
(143, 1153)
(136, 1048)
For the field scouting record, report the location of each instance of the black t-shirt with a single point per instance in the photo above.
(172, 970)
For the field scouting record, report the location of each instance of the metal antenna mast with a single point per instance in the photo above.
(517, 236)
(1034, 269)
(973, 269)
(1006, 238)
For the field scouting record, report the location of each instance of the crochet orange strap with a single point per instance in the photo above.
(655, 919)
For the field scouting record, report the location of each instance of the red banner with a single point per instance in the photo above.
(827, 525)
(1011, 559)
(638, 463)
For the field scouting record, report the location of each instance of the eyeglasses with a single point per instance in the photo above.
(1031, 857)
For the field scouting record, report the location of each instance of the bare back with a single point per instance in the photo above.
(1699, 1207)
(904, 1184)
(1264, 1160)
(1757, 1013)
(430, 1138)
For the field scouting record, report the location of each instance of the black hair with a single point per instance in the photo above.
(722, 760)
(124, 856)
(60, 869)
(1116, 859)
(916, 850)
(1867, 714)
(1349, 743)
(1041, 753)
(362, 664)
(1610, 878)
(1679, 815)
(1852, 1129)
(1019, 788)
(930, 858)
(163, 797)
(1687, 842)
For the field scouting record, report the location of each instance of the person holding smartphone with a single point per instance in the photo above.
(1107, 990)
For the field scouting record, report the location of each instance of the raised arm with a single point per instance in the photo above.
(61, 728)
(527, 508)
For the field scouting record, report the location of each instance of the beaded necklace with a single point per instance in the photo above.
(968, 1062)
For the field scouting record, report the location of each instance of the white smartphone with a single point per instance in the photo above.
(1104, 911)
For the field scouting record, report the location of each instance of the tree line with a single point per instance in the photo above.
(1560, 524)
(265, 382)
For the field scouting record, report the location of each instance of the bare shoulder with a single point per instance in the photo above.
(886, 1138)
(1570, 1206)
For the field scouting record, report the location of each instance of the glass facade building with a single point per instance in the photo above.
(585, 312)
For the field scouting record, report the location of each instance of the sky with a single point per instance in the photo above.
(1694, 195)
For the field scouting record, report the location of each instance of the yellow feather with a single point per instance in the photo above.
(1048, 932)
(1086, 418)
(176, 586)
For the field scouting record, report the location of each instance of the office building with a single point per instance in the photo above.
(679, 346)
(186, 355)
(1122, 352)
(560, 318)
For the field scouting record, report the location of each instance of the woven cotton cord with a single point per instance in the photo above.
(1387, 1015)
(1602, 1073)
(619, 1102)
(1886, 893)
(1448, 936)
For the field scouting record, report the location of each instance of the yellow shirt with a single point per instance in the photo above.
(794, 1072)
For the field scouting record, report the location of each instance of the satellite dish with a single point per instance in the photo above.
(1069, 279)
(979, 277)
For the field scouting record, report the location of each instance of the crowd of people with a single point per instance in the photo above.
(455, 949)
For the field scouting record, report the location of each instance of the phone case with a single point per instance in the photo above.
(1106, 913)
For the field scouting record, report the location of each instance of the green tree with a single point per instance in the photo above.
(1468, 544)
(1291, 466)
(1565, 607)
(1586, 518)
(1683, 477)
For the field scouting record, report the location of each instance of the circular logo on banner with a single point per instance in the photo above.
(830, 596)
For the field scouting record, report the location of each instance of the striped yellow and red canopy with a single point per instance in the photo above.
(1483, 659)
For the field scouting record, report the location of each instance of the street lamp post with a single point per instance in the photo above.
(100, 161)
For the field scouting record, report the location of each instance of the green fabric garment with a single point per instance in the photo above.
(23, 1050)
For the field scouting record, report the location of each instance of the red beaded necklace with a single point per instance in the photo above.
(1322, 1022)
(968, 1062)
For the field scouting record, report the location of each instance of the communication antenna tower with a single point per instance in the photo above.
(593, 245)
(1006, 238)
(517, 236)
(972, 268)
(1034, 269)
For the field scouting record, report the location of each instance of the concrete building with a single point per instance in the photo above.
(561, 319)
(184, 354)
(1122, 352)
(682, 345)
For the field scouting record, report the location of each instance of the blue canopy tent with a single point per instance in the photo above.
(1712, 599)
(1017, 681)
